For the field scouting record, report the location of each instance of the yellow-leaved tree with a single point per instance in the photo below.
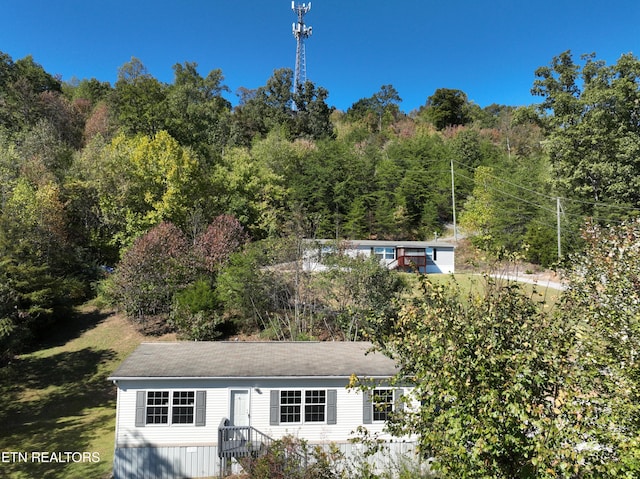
(139, 182)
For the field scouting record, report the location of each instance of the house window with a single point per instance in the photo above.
(385, 253)
(291, 406)
(182, 407)
(382, 402)
(314, 406)
(157, 407)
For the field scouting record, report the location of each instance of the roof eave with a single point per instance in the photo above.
(181, 378)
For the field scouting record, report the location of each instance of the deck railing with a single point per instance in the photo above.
(412, 261)
(240, 441)
(245, 444)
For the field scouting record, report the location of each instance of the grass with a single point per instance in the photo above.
(475, 283)
(58, 399)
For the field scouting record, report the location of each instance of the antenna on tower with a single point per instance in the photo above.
(301, 32)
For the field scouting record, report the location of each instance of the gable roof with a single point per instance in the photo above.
(273, 359)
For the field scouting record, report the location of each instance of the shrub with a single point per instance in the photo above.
(152, 271)
(194, 313)
(292, 458)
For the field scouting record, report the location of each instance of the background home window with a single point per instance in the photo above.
(385, 253)
(382, 402)
(314, 406)
(290, 406)
(157, 407)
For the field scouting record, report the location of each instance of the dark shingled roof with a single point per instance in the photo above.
(390, 243)
(221, 359)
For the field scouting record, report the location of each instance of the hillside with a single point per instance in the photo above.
(90, 169)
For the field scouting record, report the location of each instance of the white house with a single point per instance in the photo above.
(419, 256)
(183, 408)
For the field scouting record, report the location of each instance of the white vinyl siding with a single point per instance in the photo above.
(201, 431)
(346, 409)
(442, 260)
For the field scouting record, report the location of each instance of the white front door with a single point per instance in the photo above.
(240, 407)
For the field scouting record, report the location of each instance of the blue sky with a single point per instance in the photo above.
(488, 49)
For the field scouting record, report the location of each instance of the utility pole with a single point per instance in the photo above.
(453, 202)
(300, 32)
(558, 211)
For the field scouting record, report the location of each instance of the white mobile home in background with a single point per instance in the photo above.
(414, 256)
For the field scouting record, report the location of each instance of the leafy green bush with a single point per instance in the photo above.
(542, 244)
(194, 313)
(362, 292)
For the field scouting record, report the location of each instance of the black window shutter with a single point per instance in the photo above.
(274, 408)
(332, 403)
(367, 408)
(141, 404)
(201, 408)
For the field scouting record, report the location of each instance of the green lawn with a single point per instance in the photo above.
(475, 283)
(58, 400)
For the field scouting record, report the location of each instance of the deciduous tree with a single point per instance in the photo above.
(139, 100)
(591, 113)
(498, 387)
(214, 246)
(151, 272)
(140, 182)
(247, 188)
(198, 114)
(447, 107)
(378, 110)
(312, 118)
(604, 299)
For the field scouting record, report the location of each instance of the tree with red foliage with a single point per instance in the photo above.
(157, 266)
(213, 247)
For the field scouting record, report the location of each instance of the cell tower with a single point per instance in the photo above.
(301, 32)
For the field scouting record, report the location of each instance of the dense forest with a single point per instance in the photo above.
(187, 197)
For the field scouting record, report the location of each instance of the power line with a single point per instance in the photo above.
(539, 206)
(519, 198)
(553, 198)
(514, 184)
